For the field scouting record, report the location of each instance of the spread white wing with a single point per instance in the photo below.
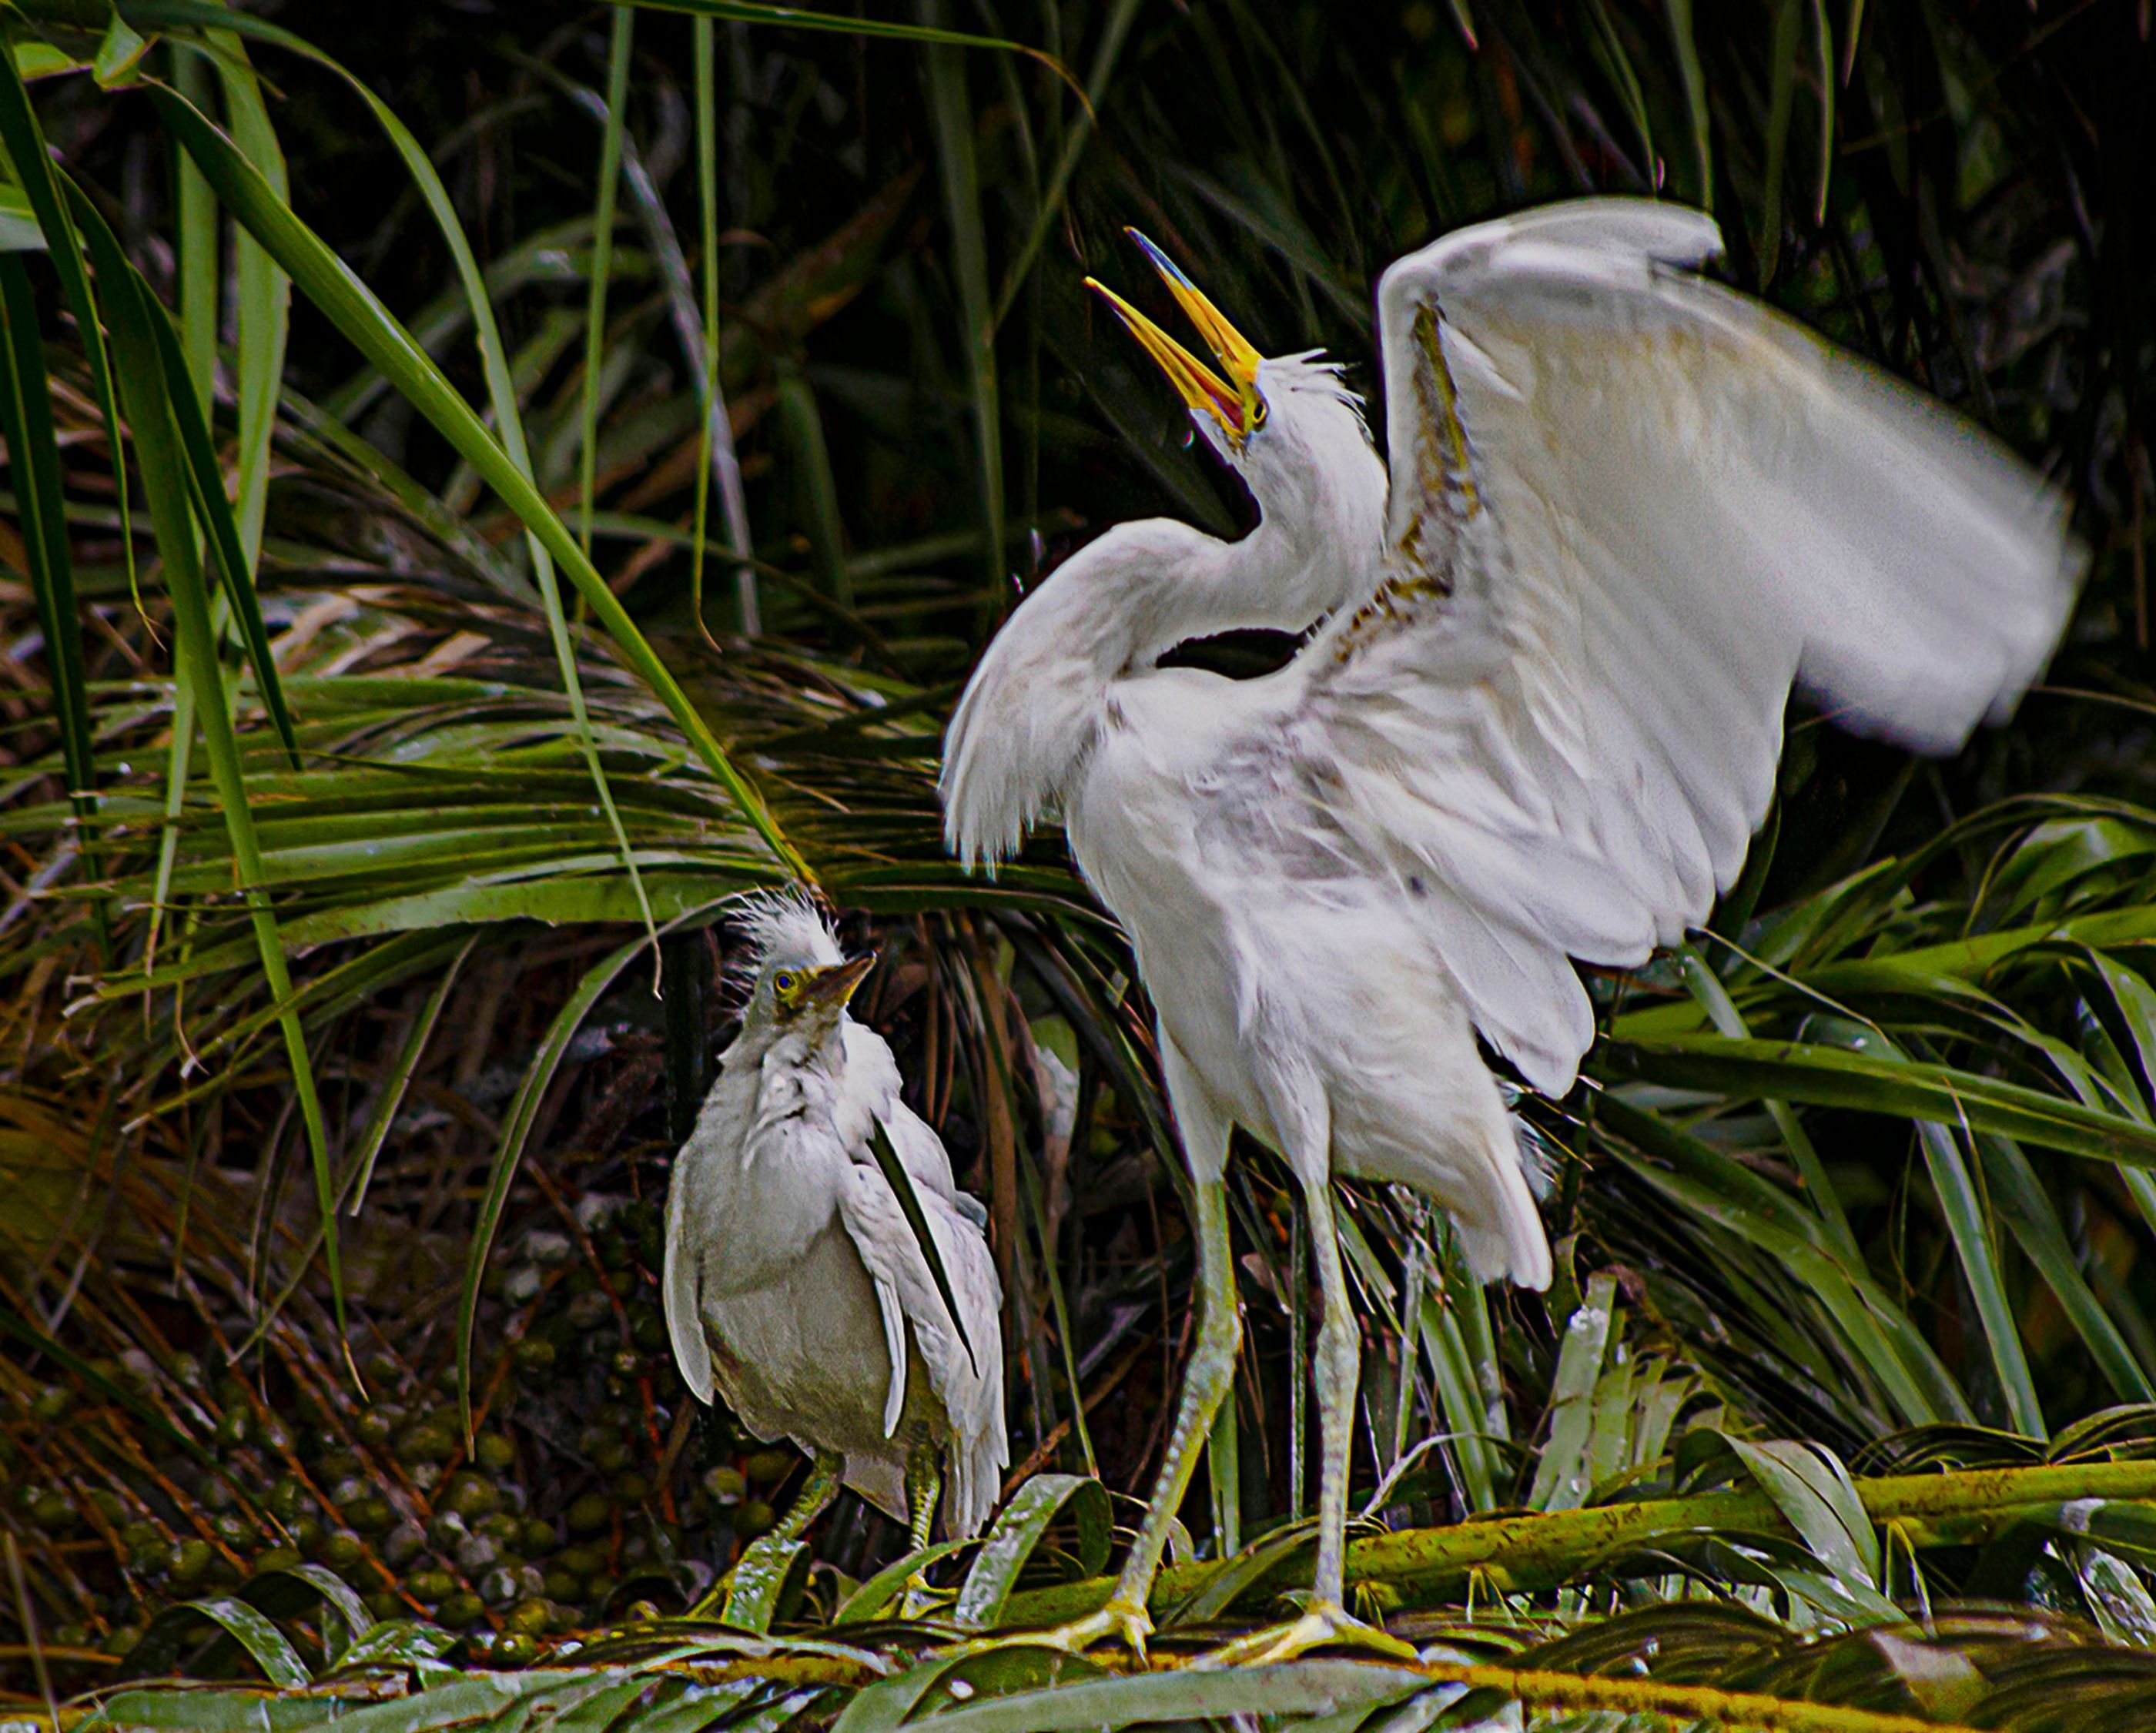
(970, 1388)
(1629, 509)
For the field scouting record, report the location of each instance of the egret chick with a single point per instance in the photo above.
(794, 1287)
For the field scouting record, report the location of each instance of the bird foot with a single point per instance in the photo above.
(1122, 1622)
(1320, 1626)
(918, 1595)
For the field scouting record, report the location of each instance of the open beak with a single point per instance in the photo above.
(834, 985)
(1238, 359)
(1202, 388)
(1233, 402)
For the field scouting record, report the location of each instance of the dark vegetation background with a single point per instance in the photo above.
(1958, 190)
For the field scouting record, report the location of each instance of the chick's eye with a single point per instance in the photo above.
(783, 981)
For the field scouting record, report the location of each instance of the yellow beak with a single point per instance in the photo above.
(1235, 407)
(1230, 348)
(835, 985)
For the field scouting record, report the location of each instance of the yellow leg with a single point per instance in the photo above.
(760, 1575)
(1206, 1382)
(924, 1487)
(1325, 1619)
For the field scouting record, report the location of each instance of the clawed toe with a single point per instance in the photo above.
(1118, 1622)
(1321, 1627)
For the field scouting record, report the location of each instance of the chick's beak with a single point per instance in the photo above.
(1202, 388)
(1237, 356)
(831, 987)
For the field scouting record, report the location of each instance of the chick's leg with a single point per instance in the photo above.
(924, 1487)
(758, 1580)
(1206, 1381)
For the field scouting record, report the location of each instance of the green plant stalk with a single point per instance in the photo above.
(1520, 1553)
(150, 394)
(245, 99)
(369, 326)
(196, 241)
(24, 144)
(1692, 1705)
(618, 48)
(704, 47)
(1827, 1076)
(952, 112)
(26, 422)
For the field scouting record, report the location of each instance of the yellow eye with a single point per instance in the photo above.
(782, 981)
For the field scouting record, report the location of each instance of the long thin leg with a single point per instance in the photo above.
(1336, 1371)
(758, 1579)
(924, 1487)
(1207, 1379)
(816, 1495)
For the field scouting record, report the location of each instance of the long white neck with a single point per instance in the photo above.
(1031, 713)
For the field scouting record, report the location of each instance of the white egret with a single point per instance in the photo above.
(1627, 510)
(794, 1286)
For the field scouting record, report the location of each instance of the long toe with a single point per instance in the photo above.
(1121, 1622)
(1321, 1627)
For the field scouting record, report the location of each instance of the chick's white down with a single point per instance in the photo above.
(793, 1286)
(1627, 510)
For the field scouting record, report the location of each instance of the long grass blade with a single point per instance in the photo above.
(150, 392)
(26, 422)
(24, 142)
(1693, 78)
(354, 309)
(951, 111)
(620, 44)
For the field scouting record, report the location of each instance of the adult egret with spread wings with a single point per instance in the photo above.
(793, 1283)
(1626, 510)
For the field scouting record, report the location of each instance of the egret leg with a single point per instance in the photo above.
(924, 1487)
(757, 1579)
(1337, 1368)
(1206, 1382)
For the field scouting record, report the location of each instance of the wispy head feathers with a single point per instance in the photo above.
(783, 927)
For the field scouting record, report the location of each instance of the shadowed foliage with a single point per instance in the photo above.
(488, 485)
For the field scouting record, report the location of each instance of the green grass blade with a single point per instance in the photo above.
(354, 309)
(201, 272)
(1693, 78)
(1113, 33)
(25, 143)
(516, 1131)
(703, 33)
(620, 44)
(1822, 69)
(796, 18)
(1018, 1532)
(801, 426)
(1833, 1077)
(1781, 106)
(149, 397)
(501, 395)
(2026, 1208)
(261, 292)
(951, 112)
(26, 422)
(1705, 986)
(1963, 1207)
(225, 527)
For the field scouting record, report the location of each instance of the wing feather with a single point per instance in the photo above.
(1630, 509)
(972, 1394)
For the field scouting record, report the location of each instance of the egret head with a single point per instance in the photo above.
(802, 983)
(1280, 421)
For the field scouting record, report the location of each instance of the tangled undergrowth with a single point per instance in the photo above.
(356, 784)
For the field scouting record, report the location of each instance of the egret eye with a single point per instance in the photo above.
(782, 981)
